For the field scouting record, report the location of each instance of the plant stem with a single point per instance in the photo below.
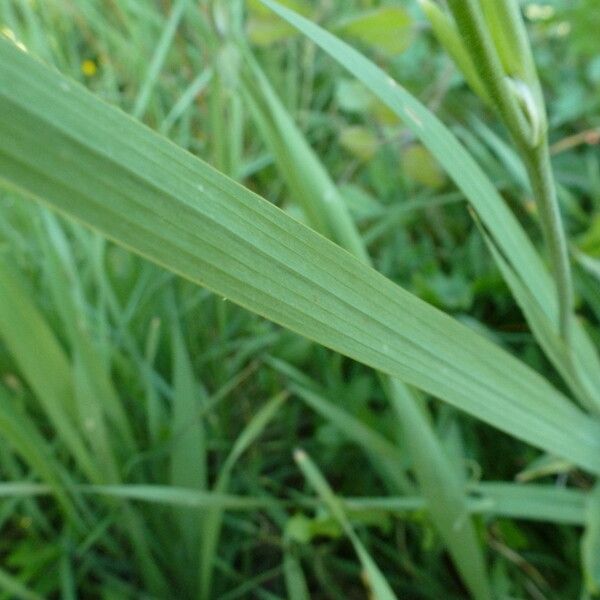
(478, 40)
(539, 169)
(534, 152)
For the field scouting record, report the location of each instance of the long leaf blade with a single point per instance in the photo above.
(92, 162)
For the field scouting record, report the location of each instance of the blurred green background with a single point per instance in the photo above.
(114, 372)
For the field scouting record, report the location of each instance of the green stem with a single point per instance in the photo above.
(484, 52)
(539, 168)
(478, 40)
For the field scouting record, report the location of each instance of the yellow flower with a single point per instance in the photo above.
(89, 68)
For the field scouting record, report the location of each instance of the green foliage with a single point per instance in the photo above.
(148, 426)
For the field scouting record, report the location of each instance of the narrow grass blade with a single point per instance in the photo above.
(178, 497)
(29, 444)
(440, 485)
(23, 488)
(23, 329)
(533, 502)
(189, 95)
(295, 581)
(89, 362)
(159, 57)
(214, 518)
(11, 585)
(376, 581)
(90, 373)
(548, 338)
(188, 457)
(590, 544)
(106, 170)
(306, 177)
(529, 502)
(446, 32)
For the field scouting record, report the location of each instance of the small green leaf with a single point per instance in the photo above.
(589, 242)
(420, 166)
(359, 141)
(265, 29)
(387, 29)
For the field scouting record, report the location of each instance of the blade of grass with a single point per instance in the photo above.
(295, 581)
(551, 342)
(387, 458)
(590, 543)
(309, 181)
(91, 374)
(29, 444)
(376, 581)
(106, 170)
(23, 328)
(179, 497)
(158, 59)
(446, 32)
(528, 502)
(214, 518)
(441, 486)
(188, 464)
(189, 95)
(535, 502)
(15, 588)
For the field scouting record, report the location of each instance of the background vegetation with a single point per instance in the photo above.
(150, 429)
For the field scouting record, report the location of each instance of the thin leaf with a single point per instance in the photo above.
(188, 457)
(97, 165)
(214, 519)
(158, 58)
(590, 543)
(376, 581)
(12, 585)
(175, 496)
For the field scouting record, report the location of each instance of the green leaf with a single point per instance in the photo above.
(285, 139)
(491, 208)
(375, 579)
(23, 328)
(359, 141)
(92, 162)
(16, 589)
(26, 440)
(447, 34)
(295, 582)
(158, 59)
(516, 501)
(420, 166)
(590, 543)
(176, 496)
(188, 455)
(443, 491)
(316, 194)
(214, 517)
(264, 29)
(387, 29)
